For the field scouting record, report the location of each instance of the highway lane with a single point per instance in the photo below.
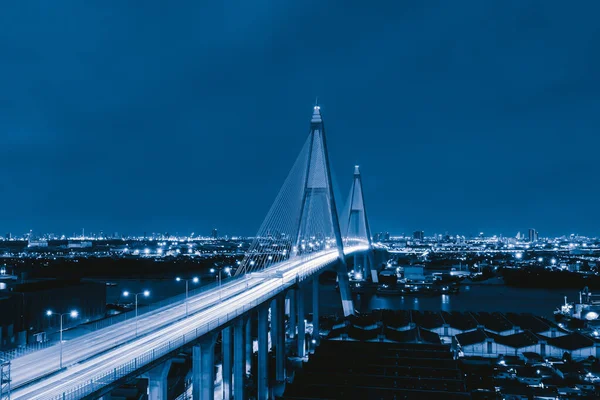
(27, 368)
(106, 362)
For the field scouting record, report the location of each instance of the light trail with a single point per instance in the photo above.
(94, 357)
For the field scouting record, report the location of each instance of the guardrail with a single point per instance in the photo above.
(123, 370)
(129, 315)
(115, 319)
(24, 350)
(109, 376)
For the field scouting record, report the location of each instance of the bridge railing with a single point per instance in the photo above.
(113, 320)
(24, 350)
(128, 368)
(145, 309)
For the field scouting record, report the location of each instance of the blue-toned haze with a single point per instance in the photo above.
(465, 116)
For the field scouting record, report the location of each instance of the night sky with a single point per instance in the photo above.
(465, 116)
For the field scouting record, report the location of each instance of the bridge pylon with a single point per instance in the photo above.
(303, 221)
(355, 227)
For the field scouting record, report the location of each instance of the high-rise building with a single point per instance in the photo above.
(419, 235)
(533, 235)
(215, 233)
(381, 236)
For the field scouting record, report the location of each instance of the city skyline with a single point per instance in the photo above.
(177, 123)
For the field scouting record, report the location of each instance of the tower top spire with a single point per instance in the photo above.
(316, 117)
(356, 170)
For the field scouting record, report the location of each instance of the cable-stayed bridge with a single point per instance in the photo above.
(302, 235)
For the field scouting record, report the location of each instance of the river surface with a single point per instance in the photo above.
(471, 298)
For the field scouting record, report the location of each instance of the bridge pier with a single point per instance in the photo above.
(248, 344)
(227, 362)
(157, 381)
(203, 369)
(316, 336)
(278, 335)
(292, 316)
(263, 352)
(344, 284)
(238, 359)
(301, 326)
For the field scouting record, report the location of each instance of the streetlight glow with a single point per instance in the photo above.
(195, 279)
(73, 314)
(126, 293)
(146, 293)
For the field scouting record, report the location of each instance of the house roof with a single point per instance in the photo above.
(528, 322)
(495, 321)
(396, 319)
(572, 341)
(473, 337)
(427, 319)
(459, 320)
(517, 340)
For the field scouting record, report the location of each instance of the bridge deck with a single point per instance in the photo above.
(99, 358)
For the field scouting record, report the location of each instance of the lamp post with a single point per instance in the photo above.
(194, 280)
(73, 314)
(227, 271)
(146, 293)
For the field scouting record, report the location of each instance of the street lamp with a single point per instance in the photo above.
(146, 293)
(227, 271)
(73, 314)
(194, 280)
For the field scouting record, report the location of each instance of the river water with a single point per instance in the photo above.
(471, 298)
(489, 298)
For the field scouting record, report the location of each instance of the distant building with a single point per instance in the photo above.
(381, 236)
(419, 235)
(37, 243)
(79, 245)
(215, 233)
(533, 236)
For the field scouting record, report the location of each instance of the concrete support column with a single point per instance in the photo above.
(157, 381)
(280, 337)
(366, 270)
(263, 353)
(292, 316)
(273, 325)
(238, 359)
(344, 284)
(316, 314)
(301, 327)
(203, 369)
(226, 345)
(248, 344)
